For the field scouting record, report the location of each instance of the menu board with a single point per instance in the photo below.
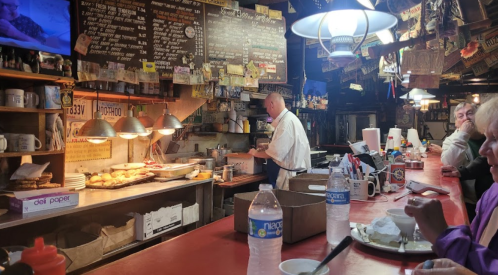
(240, 36)
(182, 33)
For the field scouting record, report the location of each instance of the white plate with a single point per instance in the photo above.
(412, 247)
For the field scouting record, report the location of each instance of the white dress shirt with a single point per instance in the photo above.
(289, 147)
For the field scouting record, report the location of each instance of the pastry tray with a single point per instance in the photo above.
(124, 184)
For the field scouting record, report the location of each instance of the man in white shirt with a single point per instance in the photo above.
(461, 148)
(289, 149)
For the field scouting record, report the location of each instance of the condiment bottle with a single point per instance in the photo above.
(396, 155)
(44, 259)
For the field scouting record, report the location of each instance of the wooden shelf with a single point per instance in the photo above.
(30, 110)
(32, 76)
(35, 153)
(439, 120)
(83, 92)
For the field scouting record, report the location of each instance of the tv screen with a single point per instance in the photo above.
(313, 87)
(43, 25)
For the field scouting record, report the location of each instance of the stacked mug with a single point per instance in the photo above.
(20, 142)
(17, 98)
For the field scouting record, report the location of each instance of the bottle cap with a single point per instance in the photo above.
(396, 148)
(390, 137)
(40, 253)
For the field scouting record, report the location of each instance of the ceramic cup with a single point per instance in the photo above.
(405, 223)
(358, 189)
(3, 143)
(15, 98)
(27, 143)
(296, 266)
(12, 142)
(32, 100)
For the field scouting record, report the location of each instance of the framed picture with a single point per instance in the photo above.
(404, 119)
(452, 111)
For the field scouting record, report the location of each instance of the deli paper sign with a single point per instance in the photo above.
(111, 111)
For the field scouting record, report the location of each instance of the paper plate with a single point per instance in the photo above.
(412, 247)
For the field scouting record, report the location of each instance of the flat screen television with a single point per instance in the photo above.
(314, 88)
(43, 25)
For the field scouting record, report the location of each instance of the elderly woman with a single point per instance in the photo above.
(476, 247)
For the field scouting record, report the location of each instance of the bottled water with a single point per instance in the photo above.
(335, 162)
(265, 233)
(337, 207)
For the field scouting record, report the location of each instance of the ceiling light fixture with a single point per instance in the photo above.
(167, 123)
(417, 93)
(129, 127)
(340, 22)
(97, 130)
(147, 122)
(476, 99)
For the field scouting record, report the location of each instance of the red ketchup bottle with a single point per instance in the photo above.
(44, 259)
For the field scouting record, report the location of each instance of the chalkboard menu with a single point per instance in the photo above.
(239, 36)
(182, 33)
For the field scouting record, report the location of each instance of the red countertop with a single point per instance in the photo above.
(218, 249)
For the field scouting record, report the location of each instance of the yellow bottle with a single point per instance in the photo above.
(247, 127)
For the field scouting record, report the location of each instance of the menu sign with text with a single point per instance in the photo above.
(182, 33)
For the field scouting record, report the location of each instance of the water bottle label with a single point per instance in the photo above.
(338, 197)
(265, 229)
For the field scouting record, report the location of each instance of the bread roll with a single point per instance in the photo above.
(109, 182)
(95, 179)
(106, 177)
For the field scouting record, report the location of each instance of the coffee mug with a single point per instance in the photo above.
(358, 189)
(32, 100)
(12, 142)
(27, 143)
(3, 143)
(15, 98)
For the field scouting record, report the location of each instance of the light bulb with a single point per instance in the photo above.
(148, 132)
(417, 98)
(366, 3)
(96, 140)
(166, 131)
(127, 135)
(343, 23)
(476, 98)
(385, 36)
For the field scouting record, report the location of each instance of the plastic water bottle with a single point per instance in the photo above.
(335, 162)
(265, 233)
(337, 207)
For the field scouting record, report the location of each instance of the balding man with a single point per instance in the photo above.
(289, 149)
(461, 148)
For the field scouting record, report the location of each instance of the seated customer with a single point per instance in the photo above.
(442, 267)
(475, 247)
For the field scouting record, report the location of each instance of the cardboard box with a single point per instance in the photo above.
(151, 220)
(190, 214)
(303, 215)
(245, 162)
(44, 202)
(119, 232)
(50, 96)
(80, 248)
(309, 183)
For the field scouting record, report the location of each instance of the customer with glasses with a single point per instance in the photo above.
(17, 26)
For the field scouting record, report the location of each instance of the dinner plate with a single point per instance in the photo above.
(412, 247)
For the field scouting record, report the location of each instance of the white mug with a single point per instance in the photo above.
(358, 189)
(12, 142)
(15, 98)
(27, 143)
(32, 100)
(3, 143)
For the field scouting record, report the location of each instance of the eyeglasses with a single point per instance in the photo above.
(11, 7)
(460, 116)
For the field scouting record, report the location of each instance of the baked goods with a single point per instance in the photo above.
(95, 179)
(117, 177)
(34, 183)
(106, 177)
(49, 185)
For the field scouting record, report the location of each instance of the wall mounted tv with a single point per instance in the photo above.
(313, 87)
(43, 25)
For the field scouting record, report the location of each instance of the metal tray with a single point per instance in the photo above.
(173, 170)
(124, 184)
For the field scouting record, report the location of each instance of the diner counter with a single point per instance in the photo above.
(94, 198)
(218, 249)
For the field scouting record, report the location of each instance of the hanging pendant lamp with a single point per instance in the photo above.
(417, 94)
(167, 123)
(147, 122)
(129, 127)
(97, 130)
(340, 22)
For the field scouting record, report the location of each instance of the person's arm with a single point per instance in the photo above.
(454, 149)
(443, 267)
(458, 244)
(259, 154)
(477, 167)
(10, 31)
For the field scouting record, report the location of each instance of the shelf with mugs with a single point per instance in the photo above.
(30, 110)
(14, 74)
(34, 153)
(116, 96)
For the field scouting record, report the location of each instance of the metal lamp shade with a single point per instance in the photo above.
(308, 26)
(97, 127)
(129, 125)
(146, 121)
(416, 92)
(167, 121)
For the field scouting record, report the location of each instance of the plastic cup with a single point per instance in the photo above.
(296, 266)
(404, 222)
